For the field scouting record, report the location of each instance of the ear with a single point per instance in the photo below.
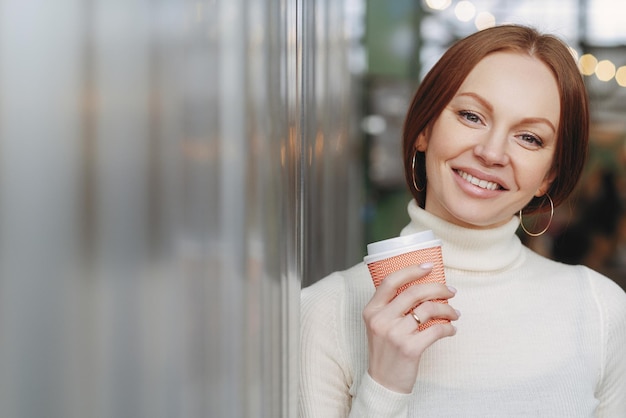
(421, 143)
(545, 185)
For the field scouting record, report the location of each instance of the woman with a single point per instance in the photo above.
(497, 130)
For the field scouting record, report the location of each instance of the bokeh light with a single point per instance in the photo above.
(485, 20)
(620, 76)
(438, 4)
(588, 64)
(465, 11)
(605, 70)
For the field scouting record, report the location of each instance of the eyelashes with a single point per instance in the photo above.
(531, 139)
(470, 116)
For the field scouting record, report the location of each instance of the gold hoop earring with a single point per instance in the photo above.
(533, 234)
(413, 174)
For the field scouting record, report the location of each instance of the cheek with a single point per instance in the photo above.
(531, 174)
(443, 144)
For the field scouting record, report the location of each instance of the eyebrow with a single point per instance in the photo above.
(489, 107)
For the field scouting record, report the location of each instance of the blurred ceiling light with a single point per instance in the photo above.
(620, 76)
(465, 11)
(588, 64)
(438, 4)
(485, 20)
(605, 70)
(605, 21)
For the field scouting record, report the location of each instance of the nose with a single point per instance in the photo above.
(492, 150)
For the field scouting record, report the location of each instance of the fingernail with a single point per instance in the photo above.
(426, 266)
(458, 313)
(452, 289)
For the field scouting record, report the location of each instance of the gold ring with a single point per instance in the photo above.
(417, 318)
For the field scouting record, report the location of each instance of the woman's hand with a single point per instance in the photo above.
(394, 342)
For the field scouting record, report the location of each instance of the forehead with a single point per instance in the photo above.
(518, 83)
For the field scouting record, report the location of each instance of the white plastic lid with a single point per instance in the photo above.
(399, 242)
(381, 250)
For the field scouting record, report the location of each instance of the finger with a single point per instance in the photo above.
(430, 310)
(388, 288)
(409, 320)
(417, 342)
(418, 294)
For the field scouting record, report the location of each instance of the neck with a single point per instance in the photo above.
(478, 250)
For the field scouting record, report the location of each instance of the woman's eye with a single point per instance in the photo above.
(470, 116)
(531, 139)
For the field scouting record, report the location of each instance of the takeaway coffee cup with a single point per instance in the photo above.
(385, 257)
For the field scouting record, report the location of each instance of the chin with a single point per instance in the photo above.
(479, 221)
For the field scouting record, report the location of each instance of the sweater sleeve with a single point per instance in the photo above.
(611, 301)
(328, 386)
(324, 377)
(376, 401)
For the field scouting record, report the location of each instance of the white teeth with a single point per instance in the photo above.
(483, 184)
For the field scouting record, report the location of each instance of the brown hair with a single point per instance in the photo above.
(445, 78)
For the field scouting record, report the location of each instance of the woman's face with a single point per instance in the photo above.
(491, 149)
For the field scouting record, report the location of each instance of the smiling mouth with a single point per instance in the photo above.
(483, 184)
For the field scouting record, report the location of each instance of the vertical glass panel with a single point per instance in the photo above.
(154, 158)
(39, 127)
(332, 151)
(150, 208)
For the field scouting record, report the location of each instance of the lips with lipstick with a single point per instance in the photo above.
(483, 184)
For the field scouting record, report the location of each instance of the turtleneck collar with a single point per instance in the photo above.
(469, 249)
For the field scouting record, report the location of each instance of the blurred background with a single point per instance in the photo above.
(173, 171)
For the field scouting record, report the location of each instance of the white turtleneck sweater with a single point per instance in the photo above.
(536, 338)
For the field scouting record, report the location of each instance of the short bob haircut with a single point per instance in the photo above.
(445, 78)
